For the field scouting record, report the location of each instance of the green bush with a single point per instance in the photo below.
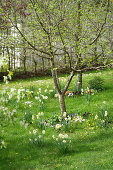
(97, 83)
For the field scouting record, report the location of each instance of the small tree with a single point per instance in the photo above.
(65, 29)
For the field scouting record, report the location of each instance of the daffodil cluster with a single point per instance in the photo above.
(6, 117)
(37, 137)
(62, 141)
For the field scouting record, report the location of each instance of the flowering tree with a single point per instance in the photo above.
(92, 49)
(59, 30)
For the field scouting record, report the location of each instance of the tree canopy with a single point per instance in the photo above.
(73, 33)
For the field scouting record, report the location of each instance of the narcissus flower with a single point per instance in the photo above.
(96, 117)
(64, 141)
(43, 132)
(106, 113)
(34, 131)
(58, 126)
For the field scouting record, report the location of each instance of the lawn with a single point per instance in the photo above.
(30, 125)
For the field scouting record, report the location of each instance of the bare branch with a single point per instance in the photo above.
(92, 68)
(68, 82)
(102, 26)
(92, 23)
(39, 20)
(43, 52)
(64, 47)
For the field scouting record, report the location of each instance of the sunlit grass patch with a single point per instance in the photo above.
(31, 122)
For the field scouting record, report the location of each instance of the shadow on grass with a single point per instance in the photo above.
(92, 143)
(21, 154)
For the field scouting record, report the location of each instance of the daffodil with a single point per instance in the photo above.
(64, 141)
(106, 113)
(43, 132)
(96, 117)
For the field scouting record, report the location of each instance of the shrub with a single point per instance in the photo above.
(96, 83)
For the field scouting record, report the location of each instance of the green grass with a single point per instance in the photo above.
(90, 150)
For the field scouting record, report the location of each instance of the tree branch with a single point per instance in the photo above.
(92, 68)
(99, 34)
(41, 23)
(55, 78)
(68, 82)
(30, 43)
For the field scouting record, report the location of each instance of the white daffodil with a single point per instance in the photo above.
(39, 136)
(58, 126)
(64, 141)
(66, 135)
(34, 131)
(45, 90)
(41, 113)
(56, 95)
(56, 139)
(60, 135)
(53, 136)
(106, 113)
(64, 114)
(43, 132)
(96, 117)
(69, 118)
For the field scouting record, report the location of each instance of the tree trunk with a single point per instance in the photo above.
(58, 88)
(8, 58)
(43, 65)
(35, 67)
(78, 40)
(79, 80)
(62, 104)
(24, 63)
(14, 59)
(95, 55)
(64, 60)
